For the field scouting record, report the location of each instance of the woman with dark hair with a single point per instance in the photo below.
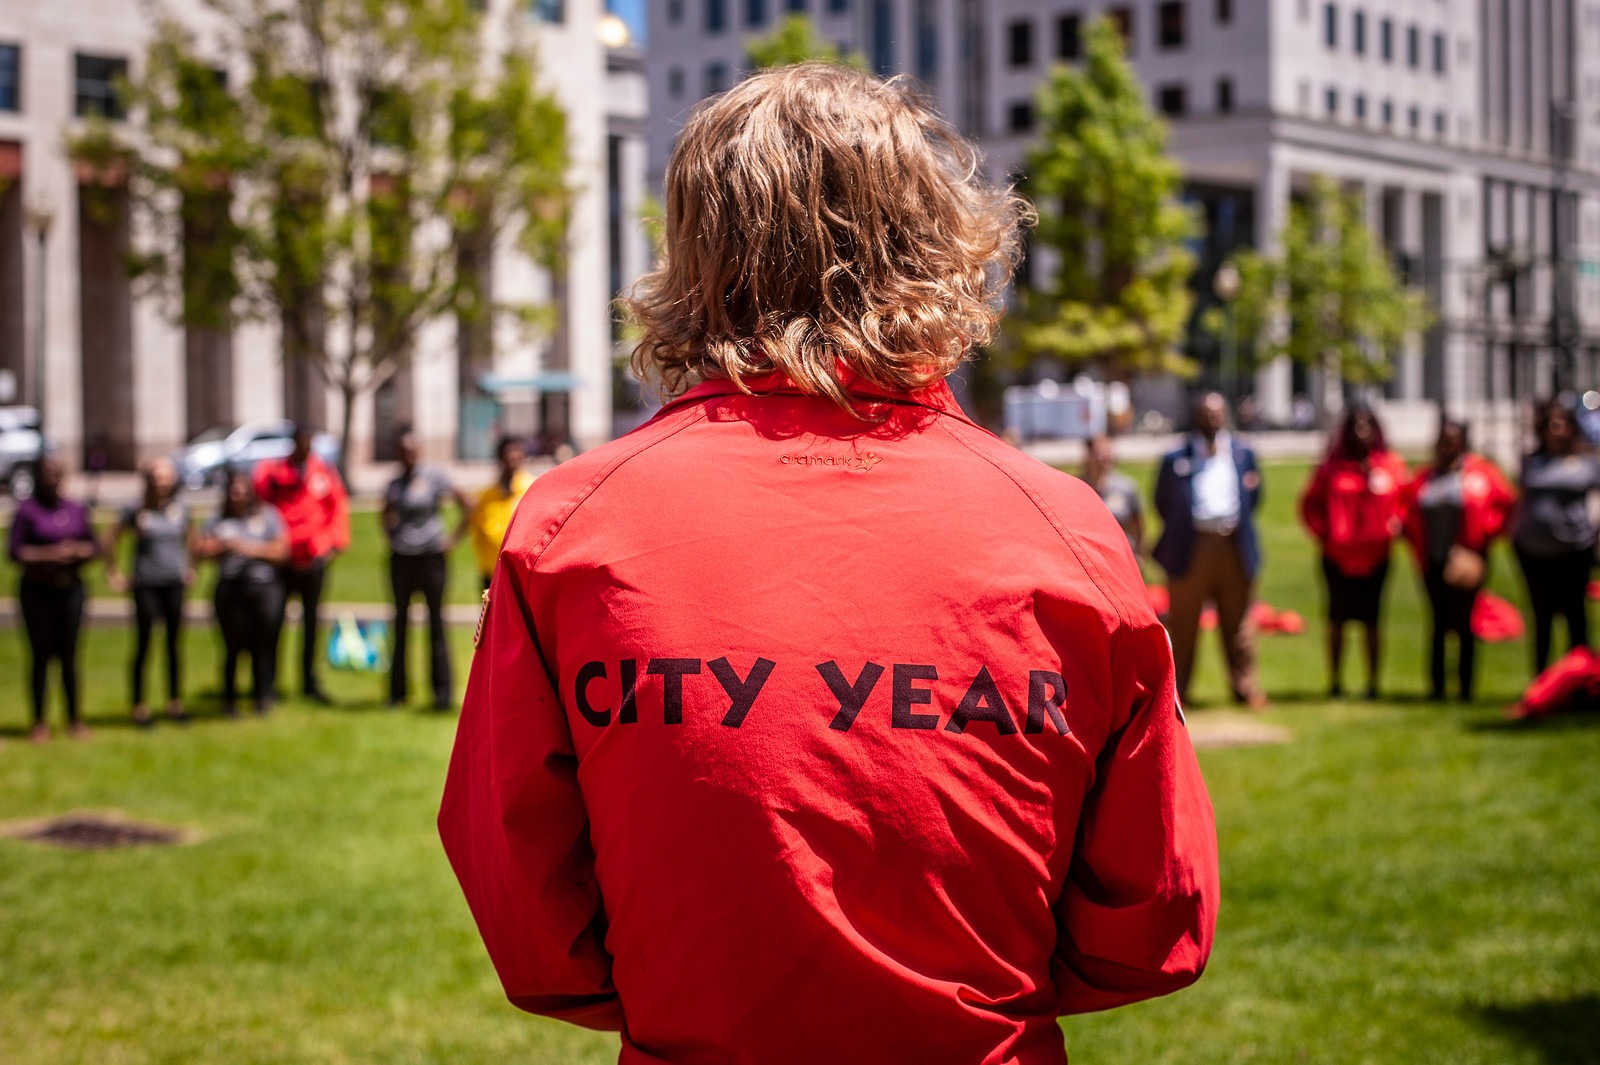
(51, 539)
(1353, 508)
(249, 541)
(1555, 536)
(491, 515)
(162, 539)
(1456, 506)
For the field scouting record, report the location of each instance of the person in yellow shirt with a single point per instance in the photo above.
(492, 515)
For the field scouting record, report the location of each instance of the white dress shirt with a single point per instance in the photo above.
(1216, 485)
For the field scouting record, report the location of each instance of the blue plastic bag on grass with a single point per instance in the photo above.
(358, 646)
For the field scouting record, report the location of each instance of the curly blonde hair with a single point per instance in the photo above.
(823, 223)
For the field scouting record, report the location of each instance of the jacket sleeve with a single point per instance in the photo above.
(1138, 912)
(1502, 498)
(1314, 504)
(515, 828)
(1169, 491)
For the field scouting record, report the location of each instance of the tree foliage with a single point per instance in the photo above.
(1329, 298)
(795, 40)
(324, 164)
(1107, 195)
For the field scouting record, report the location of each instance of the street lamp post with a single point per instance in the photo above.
(41, 216)
(1225, 285)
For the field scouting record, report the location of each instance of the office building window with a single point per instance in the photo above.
(1330, 101)
(1438, 53)
(1438, 123)
(1019, 117)
(796, 7)
(927, 34)
(1069, 37)
(1358, 107)
(675, 83)
(755, 13)
(1020, 37)
(97, 78)
(550, 10)
(1330, 25)
(1224, 11)
(674, 12)
(838, 7)
(10, 77)
(1225, 95)
(1414, 119)
(1413, 46)
(1358, 33)
(1387, 111)
(1169, 24)
(882, 12)
(1122, 19)
(1386, 40)
(716, 78)
(1173, 100)
(716, 16)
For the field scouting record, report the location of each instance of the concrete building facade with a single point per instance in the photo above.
(1472, 126)
(117, 375)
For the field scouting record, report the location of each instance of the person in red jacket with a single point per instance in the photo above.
(1354, 506)
(809, 721)
(1455, 507)
(310, 497)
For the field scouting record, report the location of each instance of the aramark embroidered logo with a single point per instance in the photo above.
(854, 463)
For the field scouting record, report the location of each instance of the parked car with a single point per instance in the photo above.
(21, 448)
(207, 458)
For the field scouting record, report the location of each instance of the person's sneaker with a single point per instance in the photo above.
(40, 733)
(1335, 691)
(1372, 693)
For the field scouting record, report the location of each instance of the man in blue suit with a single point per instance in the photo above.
(1207, 493)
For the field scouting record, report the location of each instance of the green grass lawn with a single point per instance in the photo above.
(1404, 882)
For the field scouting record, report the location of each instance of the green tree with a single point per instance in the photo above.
(795, 40)
(1329, 298)
(1107, 194)
(332, 165)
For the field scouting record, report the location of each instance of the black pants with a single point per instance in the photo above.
(1557, 586)
(1452, 613)
(409, 575)
(249, 612)
(153, 603)
(52, 615)
(307, 583)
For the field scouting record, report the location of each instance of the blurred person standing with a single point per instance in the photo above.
(719, 700)
(1555, 532)
(51, 538)
(1116, 490)
(163, 539)
(1355, 507)
(249, 541)
(1207, 493)
(491, 515)
(311, 499)
(413, 523)
(1455, 507)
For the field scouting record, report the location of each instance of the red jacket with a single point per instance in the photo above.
(1486, 502)
(1356, 509)
(312, 503)
(794, 739)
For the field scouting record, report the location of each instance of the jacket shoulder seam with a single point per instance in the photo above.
(1090, 566)
(582, 495)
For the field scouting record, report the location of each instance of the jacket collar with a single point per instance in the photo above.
(937, 396)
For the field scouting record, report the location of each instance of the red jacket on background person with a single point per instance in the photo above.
(1487, 499)
(313, 504)
(794, 737)
(1356, 508)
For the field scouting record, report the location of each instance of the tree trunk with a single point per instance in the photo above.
(348, 394)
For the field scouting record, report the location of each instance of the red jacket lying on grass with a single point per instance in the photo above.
(793, 739)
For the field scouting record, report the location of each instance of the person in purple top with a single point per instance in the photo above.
(51, 539)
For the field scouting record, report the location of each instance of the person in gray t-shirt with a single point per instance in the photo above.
(413, 521)
(1555, 536)
(249, 541)
(1117, 490)
(161, 531)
